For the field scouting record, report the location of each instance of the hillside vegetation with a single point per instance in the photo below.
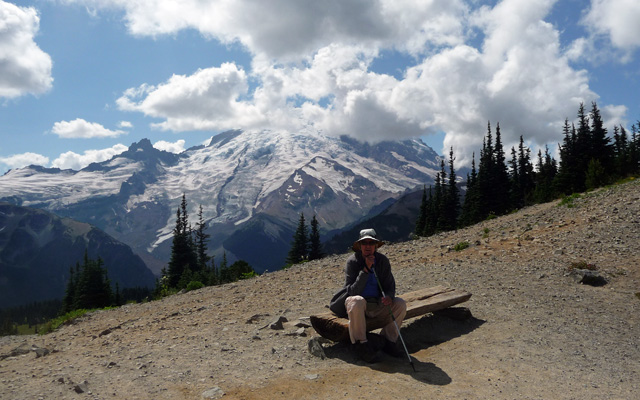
(536, 333)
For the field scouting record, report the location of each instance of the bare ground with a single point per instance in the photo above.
(535, 332)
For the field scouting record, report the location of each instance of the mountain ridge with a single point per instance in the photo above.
(236, 177)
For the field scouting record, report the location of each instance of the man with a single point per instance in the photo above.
(362, 297)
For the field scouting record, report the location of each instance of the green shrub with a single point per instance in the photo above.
(582, 265)
(67, 318)
(568, 200)
(193, 285)
(461, 246)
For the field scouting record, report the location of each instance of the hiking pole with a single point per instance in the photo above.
(393, 317)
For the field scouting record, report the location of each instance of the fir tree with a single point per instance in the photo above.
(201, 238)
(300, 245)
(600, 144)
(544, 178)
(183, 254)
(315, 246)
(500, 192)
(422, 215)
(470, 213)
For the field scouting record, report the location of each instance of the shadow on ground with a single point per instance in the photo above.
(418, 334)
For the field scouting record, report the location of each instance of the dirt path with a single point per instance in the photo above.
(535, 333)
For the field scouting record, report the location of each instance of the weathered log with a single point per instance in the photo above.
(419, 302)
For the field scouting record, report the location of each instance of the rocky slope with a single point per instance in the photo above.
(536, 333)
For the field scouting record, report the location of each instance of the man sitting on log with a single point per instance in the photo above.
(361, 297)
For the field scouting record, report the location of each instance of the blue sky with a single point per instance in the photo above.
(80, 80)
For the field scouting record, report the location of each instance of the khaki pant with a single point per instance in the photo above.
(359, 309)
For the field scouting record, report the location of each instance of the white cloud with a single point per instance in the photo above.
(24, 67)
(176, 147)
(75, 161)
(81, 129)
(313, 61)
(617, 20)
(290, 30)
(125, 125)
(209, 99)
(24, 159)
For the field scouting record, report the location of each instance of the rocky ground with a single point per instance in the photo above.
(536, 333)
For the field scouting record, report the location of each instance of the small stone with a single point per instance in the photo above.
(213, 393)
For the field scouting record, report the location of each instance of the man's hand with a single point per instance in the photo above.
(387, 301)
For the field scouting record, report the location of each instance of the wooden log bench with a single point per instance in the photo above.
(419, 302)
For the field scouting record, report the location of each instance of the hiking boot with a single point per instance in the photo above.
(392, 348)
(366, 353)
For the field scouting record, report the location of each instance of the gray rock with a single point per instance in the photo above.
(315, 348)
(278, 324)
(213, 393)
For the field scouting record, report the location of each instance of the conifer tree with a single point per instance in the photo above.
(201, 238)
(500, 192)
(515, 194)
(422, 215)
(68, 301)
(566, 181)
(452, 201)
(300, 245)
(315, 246)
(92, 286)
(544, 184)
(600, 144)
(183, 254)
(470, 213)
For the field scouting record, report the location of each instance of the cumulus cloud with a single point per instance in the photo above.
(617, 20)
(208, 99)
(81, 129)
(287, 30)
(75, 161)
(313, 66)
(24, 67)
(24, 159)
(176, 147)
(125, 125)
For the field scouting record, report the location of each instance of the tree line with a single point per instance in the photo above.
(589, 158)
(306, 245)
(190, 267)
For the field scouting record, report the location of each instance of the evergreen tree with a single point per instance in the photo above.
(315, 246)
(183, 254)
(486, 177)
(452, 201)
(500, 192)
(92, 288)
(422, 215)
(441, 196)
(569, 177)
(515, 190)
(431, 219)
(601, 148)
(544, 184)
(634, 149)
(68, 301)
(582, 150)
(470, 213)
(225, 274)
(300, 245)
(201, 238)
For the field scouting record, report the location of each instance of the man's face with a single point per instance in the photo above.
(368, 247)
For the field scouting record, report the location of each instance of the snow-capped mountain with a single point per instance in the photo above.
(252, 187)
